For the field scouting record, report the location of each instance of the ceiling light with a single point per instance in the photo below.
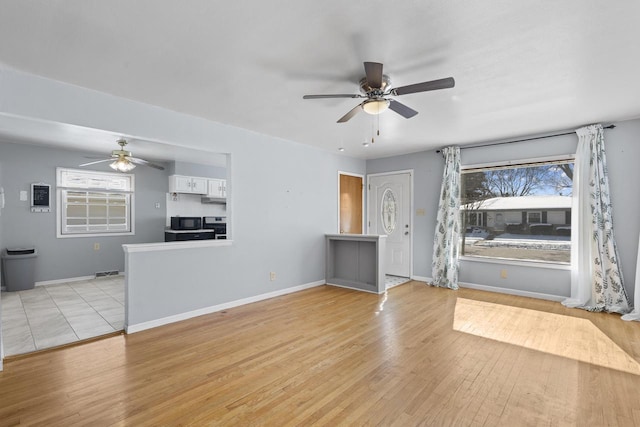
(375, 106)
(122, 165)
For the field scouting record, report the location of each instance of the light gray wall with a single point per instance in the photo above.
(194, 169)
(622, 150)
(427, 169)
(283, 198)
(24, 164)
(282, 208)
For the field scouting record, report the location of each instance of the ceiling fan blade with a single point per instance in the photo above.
(446, 83)
(99, 161)
(339, 95)
(145, 163)
(373, 70)
(402, 109)
(351, 113)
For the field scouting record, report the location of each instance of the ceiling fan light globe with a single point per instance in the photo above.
(375, 106)
(122, 165)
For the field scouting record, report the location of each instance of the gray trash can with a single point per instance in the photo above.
(18, 268)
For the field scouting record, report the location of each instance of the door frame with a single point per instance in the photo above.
(411, 213)
(357, 175)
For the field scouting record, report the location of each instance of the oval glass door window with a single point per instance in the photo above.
(388, 211)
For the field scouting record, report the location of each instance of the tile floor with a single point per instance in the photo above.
(391, 281)
(52, 315)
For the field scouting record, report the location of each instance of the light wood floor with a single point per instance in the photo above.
(331, 356)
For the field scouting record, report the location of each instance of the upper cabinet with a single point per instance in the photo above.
(188, 184)
(217, 188)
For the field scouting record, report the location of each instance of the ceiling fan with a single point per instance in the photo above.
(375, 88)
(122, 160)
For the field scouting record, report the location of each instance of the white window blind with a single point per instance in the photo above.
(94, 203)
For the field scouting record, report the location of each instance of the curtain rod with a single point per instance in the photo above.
(523, 140)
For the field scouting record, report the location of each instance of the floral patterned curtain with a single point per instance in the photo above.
(635, 314)
(596, 276)
(446, 244)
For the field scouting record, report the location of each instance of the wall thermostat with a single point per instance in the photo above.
(40, 197)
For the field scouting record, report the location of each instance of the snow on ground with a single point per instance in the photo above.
(524, 241)
(508, 236)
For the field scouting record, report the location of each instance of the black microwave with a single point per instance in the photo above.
(186, 223)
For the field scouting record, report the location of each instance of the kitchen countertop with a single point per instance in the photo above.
(171, 246)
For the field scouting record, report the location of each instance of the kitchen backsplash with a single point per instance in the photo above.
(190, 205)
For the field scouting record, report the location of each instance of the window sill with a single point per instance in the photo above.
(73, 236)
(518, 262)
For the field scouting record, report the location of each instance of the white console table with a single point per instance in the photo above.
(356, 261)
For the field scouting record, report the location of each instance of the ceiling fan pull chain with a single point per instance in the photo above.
(372, 130)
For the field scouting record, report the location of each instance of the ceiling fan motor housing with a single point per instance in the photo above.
(119, 153)
(374, 92)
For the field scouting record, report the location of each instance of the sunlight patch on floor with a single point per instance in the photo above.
(565, 336)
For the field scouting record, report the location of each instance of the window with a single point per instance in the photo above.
(475, 219)
(94, 203)
(534, 217)
(520, 212)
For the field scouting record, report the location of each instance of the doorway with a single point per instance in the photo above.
(389, 212)
(350, 203)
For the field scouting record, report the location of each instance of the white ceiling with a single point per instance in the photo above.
(521, 68)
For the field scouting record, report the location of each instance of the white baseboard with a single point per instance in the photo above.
(58, 281)
(130, 329)
(511, 291)
(499, 290)
(72, 279)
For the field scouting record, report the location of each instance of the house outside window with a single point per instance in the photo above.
(518, 211)
(92, 203)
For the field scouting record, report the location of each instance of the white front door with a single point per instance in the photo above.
(389, 199)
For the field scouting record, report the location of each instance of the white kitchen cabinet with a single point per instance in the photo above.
(217, 188)
(187, 184)
(198, 185)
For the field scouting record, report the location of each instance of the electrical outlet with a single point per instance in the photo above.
(157, 205)
(272, 276)
(503, 273)
(96, 246)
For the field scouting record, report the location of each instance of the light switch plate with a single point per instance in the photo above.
(23, 196)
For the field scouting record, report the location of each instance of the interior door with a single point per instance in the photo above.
(351, 204)
(389, 213)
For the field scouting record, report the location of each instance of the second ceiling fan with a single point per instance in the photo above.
(122, 160)
(375, 88)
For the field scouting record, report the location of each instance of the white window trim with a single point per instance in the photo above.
(59, 205)
(552, 265)
(514, 163)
